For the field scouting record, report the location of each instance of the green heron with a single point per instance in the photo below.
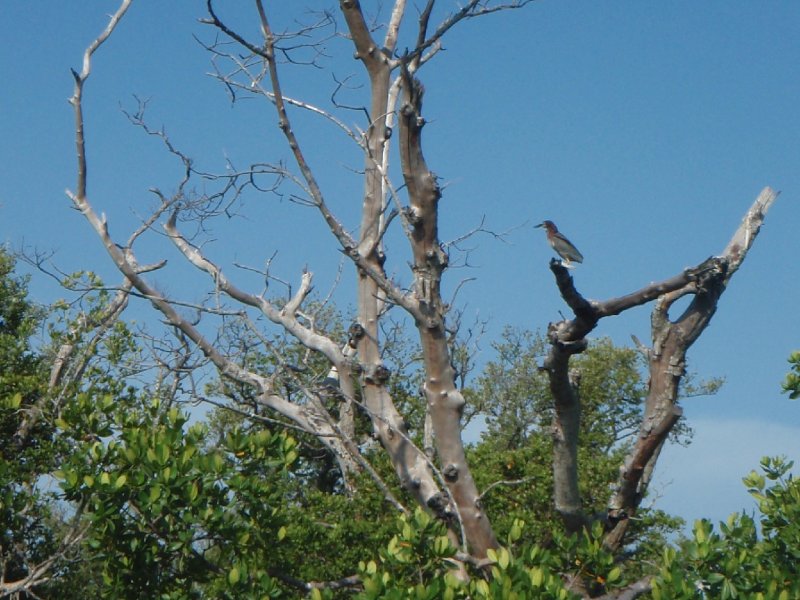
(560, 244)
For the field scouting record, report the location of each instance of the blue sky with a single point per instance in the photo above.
(643, 129)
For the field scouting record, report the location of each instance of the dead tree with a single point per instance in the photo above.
(444, 486)
(440, 481)
(671, 339)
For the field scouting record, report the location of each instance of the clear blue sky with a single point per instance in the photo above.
(644, 129)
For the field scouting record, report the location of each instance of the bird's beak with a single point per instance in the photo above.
(539, 225)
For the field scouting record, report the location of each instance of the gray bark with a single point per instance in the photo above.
(671, 340)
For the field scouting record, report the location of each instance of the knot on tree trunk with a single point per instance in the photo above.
(412, 216)
(437, 257)
(450, 472)
(440, 506)
(356, 332)
(377, 374)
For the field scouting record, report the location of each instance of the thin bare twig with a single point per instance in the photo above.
(491, 486)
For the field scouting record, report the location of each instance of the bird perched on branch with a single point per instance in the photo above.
(565, 249)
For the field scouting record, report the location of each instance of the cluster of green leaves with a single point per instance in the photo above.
(231, 508)
(791, 384)
(739, 561)
(418, 564)
(736, 562)
(169, 518)
(27, 518)
(330, 533)
(515, 452)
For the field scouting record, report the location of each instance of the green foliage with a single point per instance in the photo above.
(26, 518)
(511, 392)
(515, 453)
(33, 403)
(585, 558)
(417, 556)
(23, 378)
(235, 508)
(791, 385)
(168, 518)
(736, 562)
(528, 493)
(330, 532)
(417, 563)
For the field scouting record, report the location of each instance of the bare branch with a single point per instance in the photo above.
(353, 582)
(632, 591)
(393, 29)
(75, 100)
(671, 341)
(367, 49)
(285, 317)
(743, 239)
(471, 9)
(491, 486)
(42, 572)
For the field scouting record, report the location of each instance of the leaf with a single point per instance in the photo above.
(516, 530)
(441, 545)
(392, 548)
(728, 590)
(700, 531)
(188, 453)
(162, 453)
(13, 402)
(482, 588)
(656, 593)
(503, 558)
(233, 576)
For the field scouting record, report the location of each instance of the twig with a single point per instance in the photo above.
(504, 482)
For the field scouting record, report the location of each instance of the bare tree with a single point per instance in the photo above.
(667, 364)
(395, 95)
(440, 481)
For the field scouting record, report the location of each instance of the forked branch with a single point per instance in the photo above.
(671, 339)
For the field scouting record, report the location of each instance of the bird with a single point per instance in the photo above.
(565, 249)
